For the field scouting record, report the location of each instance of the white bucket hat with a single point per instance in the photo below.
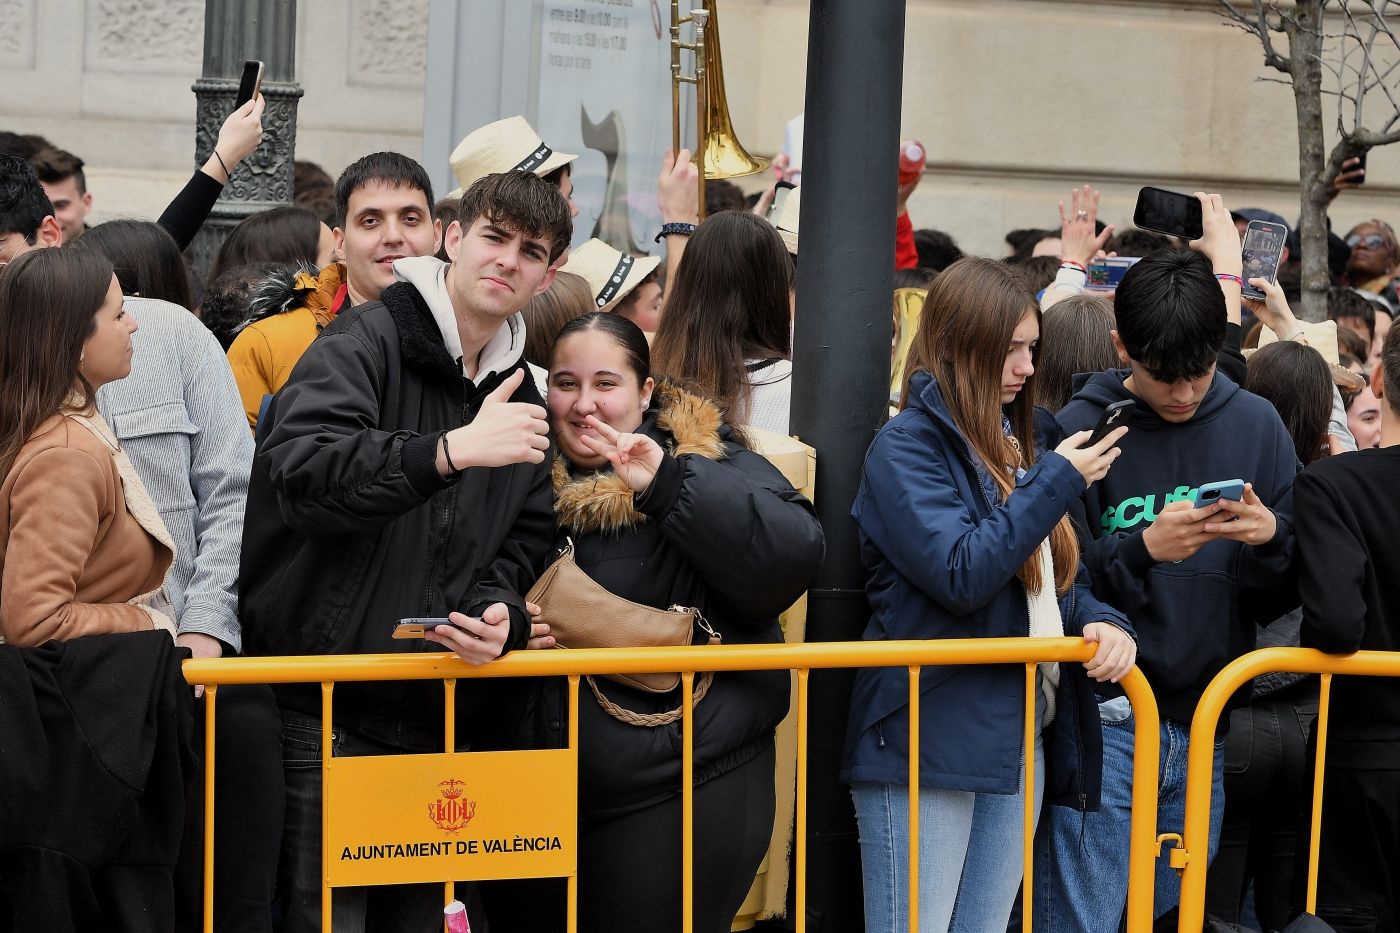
(786, 219)
(611, 275)
(506, 145)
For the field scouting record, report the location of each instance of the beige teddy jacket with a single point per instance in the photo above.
(80, 552)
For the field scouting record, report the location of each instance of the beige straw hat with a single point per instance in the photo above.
(611, 275)
(786, 220)
(503, 146)
(1322, 337)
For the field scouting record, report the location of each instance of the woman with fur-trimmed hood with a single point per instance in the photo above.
(664, 506)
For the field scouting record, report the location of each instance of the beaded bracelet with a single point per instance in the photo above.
(1230, 277)
(675, 229)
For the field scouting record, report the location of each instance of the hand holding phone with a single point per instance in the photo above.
(1250, 521)
(1261, 254)
(475, 641)
(1113, 416)
(1219, 241)
(1179, 531)
(1092, 460)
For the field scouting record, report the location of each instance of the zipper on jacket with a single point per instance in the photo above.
(444, 516)
(967, 459)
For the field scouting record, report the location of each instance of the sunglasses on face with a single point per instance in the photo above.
(1370, 241)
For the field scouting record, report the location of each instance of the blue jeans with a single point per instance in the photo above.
(970, 864)
(1081, 859)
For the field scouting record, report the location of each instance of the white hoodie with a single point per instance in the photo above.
(428, 274)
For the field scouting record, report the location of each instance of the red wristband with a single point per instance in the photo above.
(1230, 277)
(1071, 264)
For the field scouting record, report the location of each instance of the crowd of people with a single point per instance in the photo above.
(376, 405)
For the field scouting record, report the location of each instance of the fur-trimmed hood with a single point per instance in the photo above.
(600, 501)
(295, 286)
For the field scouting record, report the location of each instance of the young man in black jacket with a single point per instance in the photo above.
(403, 473)
(1193, 580)
(1348, 512)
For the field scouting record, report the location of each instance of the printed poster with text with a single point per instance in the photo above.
(605, 94)
(403, 819)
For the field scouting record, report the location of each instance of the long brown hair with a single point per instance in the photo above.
(970, 315)
(1295, 379)
(48, 302)
(730, 302)
(567, 297)
(1076, 337)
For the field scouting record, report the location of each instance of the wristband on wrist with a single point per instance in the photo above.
(227, 173)
(674, 229)
(442, 439)
(1071, 264)
(1230, 277)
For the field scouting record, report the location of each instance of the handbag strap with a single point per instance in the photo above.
(649, 720)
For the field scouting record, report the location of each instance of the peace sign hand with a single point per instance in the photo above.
(634, 457)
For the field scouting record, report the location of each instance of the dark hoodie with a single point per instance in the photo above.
(1194, 616)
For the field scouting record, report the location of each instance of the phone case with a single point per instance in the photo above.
(1211, 493)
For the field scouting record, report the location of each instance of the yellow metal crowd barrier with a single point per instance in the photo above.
(800, 658)
(1190, 857)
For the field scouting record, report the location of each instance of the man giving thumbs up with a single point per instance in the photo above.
(403, 472)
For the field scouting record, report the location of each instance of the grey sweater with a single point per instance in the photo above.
(180, 419)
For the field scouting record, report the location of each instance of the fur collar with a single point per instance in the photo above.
(420, 341)
(288, 287)
(601, 501)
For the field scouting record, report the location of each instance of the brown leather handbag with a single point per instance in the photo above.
(583, 614)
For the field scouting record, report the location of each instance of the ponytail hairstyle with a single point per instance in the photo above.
(970, 315)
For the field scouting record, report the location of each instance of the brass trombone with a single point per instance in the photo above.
(719, 154)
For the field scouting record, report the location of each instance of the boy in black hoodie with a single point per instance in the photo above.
(1348, 510)
(1192, 580)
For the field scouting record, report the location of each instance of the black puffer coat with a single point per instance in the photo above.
(720, 530)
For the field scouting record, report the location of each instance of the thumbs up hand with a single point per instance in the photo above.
(503, 432)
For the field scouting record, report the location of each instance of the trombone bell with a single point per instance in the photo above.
(724, 155)
(719, 153)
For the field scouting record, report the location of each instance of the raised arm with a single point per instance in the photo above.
(241, 133)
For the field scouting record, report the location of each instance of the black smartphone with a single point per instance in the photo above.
(1262, 252)
(414, 628)
(1168, 212)
(1113, 416)
(249, 84)
(1361, 164)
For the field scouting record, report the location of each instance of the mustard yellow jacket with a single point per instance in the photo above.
(264, 352)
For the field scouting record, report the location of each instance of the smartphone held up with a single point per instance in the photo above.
(1262, 253)
(250, 84)
(1168, 212)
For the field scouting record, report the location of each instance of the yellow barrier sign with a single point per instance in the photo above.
(404, 819)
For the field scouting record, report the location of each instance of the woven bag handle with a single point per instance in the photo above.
(649, 720)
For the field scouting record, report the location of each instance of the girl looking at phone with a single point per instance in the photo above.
(963, 529)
